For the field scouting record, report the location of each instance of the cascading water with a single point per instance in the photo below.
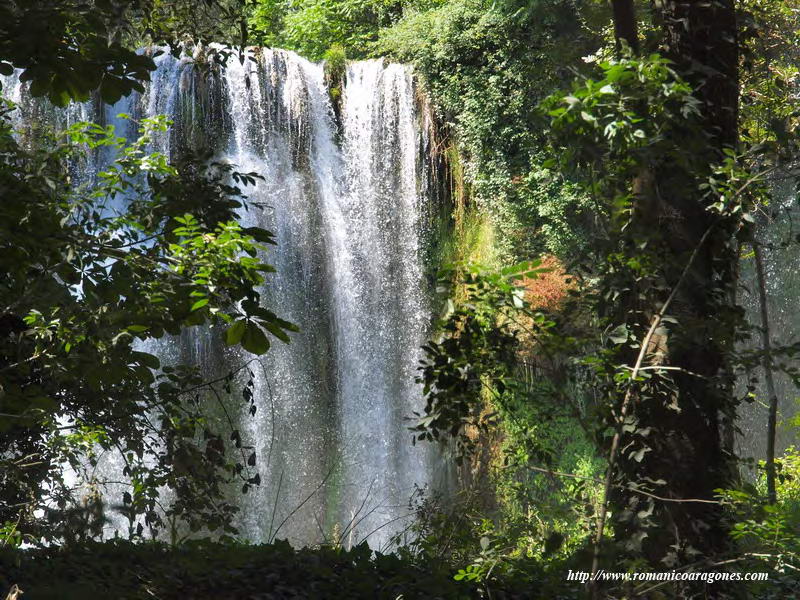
(350, 198)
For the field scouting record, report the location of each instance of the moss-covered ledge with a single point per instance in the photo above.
(335, 68)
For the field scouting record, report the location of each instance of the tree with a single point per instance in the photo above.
(69, 48)
(675, 185)
(626, 28)
(667, 327)
(698, 257)
(766, 342)
(311, 27)
(81, 284)
(653, 140)
(682, 234)
(681, 181)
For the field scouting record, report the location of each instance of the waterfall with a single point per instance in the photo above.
(351, 197)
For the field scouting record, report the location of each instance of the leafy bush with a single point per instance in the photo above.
(335, 72)
(530, 475)
(312, 26)
(768, 535)
(487, 66)
(202, 570)
(80, 285)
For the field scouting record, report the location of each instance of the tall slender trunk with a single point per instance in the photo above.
(625, 32)
(766, 343)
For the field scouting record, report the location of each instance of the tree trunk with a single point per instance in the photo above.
(681, 417)
(625, 27)
(768, 376)
(701, 40)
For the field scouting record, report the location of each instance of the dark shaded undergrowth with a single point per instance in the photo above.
(203, 570)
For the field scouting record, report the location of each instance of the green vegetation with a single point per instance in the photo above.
(589, 394)
(69, 49)
(647, 172)
(335, 59)
(80, 291)
(766, 533)
(311, 27)
(487, 67)
(205, 571)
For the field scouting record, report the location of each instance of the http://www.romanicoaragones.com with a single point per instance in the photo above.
(707, 576)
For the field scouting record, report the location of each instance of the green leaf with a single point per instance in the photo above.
(254, 340)
(276, 331)
(146, 359)
(259, 234)
(199, 304)
(235, 332)
(619, 335)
